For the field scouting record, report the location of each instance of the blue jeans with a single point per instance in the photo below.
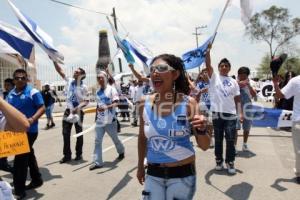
(169, 189)
(224, 123)
(49, 110)
(111, 129)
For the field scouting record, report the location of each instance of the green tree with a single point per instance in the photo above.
(291, 64)
(273, 26)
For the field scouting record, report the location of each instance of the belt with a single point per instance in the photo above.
(157, 170)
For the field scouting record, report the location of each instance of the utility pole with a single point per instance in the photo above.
(197, 34)
(116, 27)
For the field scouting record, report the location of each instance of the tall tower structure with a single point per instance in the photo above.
(104, 53)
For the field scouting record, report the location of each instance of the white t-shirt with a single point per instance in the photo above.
(2, 121)
(222, 90)
(292, 89)
(75, 94)
(132, 91)
(138, 93)
(106, 97)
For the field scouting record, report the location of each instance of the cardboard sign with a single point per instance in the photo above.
(12, 143)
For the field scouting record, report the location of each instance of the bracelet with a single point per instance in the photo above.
(201, 132)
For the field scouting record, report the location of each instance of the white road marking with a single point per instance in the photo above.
(112, 146)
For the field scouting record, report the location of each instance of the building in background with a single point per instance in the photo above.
(9, 64)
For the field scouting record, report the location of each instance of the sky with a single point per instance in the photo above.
(164, 26)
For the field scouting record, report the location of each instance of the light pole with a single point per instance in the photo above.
(198, 33)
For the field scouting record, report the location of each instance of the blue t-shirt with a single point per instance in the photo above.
(27, 102)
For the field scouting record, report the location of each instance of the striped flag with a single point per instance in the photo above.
(270, 117)
(37, 34)
(16, 41)
(122, 44)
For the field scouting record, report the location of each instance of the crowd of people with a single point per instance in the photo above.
(169, 109)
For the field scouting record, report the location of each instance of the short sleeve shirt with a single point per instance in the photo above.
(292, 89)
(222, 90)
(27, 102)
(106, 97)
(75, 94)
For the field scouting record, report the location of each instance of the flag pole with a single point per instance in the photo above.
(221, 17)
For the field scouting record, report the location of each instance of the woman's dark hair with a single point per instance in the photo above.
(82, 73)
(288, 75)
(244, 70)
(181, 83)
(225, 61)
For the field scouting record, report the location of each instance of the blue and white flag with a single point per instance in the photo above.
(37, 34)
(15, 41)
(140, 51)
(122, 44)
(196, 57)
(269, 117)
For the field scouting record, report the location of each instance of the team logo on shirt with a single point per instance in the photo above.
(161, 124)
(161, 143)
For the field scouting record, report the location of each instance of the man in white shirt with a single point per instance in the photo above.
(292, 89)
(76, 100)
(225, 99)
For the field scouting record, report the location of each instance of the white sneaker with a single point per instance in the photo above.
(230, 168)
(245, 147)
(219, 165)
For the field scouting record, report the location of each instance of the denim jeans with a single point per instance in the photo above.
(296, 142)
(224, 123)
(111, 129)
(169, 189)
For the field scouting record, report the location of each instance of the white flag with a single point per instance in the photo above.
(246, 11)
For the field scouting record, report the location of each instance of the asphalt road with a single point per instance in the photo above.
(264, 173)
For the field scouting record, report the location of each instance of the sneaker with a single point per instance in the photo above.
(121, 156)
(6, 167)
(245, 147)
(219, 165)
(34, 184)
(20, 196)
(64, 160)
(47, 127)
(95, 166)
(52, 125)
(230, 168)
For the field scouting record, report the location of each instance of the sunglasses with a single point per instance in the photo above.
(161, 68)
(20, 78)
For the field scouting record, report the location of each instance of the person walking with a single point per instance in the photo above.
(225, 105)
(166, 119)
(29, 101)
(49, 97)
(107, 100)
(76, 100)
(292, 90)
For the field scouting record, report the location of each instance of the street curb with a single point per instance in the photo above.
(61, 114)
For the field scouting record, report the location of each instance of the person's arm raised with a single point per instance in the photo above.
(209, 68)
(59, 70)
